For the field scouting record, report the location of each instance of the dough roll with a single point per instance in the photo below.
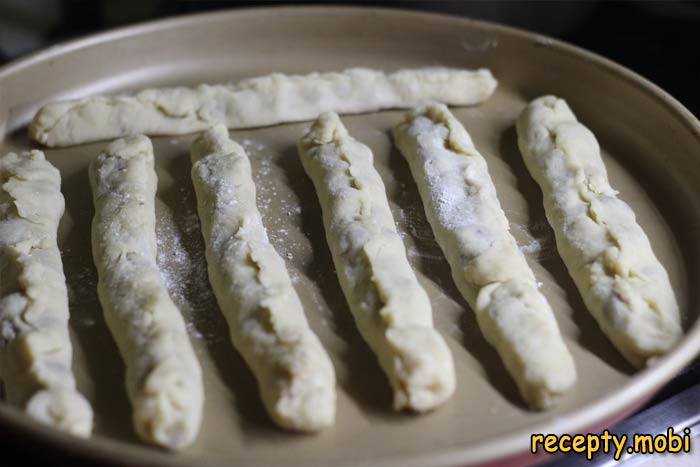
(163, 376)
(260, 101)
(489, 270)
(265, 316)
(391, 309)
(607, 253)
(35, 346)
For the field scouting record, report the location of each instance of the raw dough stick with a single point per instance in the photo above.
(607, 253)
(490, 271)
(261, 101)
(35, 346)
(265, 316)
(391, 309)
(163, 377)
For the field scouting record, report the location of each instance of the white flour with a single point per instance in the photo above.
(532, 248)
(183, 266)
(540, 239)
(273, 200)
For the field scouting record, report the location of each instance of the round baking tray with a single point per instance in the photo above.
(651, 145)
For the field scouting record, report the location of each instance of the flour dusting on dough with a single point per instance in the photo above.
(184, 269)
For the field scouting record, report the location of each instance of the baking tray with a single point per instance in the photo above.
(651, 146)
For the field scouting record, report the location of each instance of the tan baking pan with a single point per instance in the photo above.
(651, 146)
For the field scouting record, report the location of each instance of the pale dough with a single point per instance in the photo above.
(163, 376)
(391, 309)
(260, 101)
(266, 320)
(462, 207)
(35, 346)
(606, 252)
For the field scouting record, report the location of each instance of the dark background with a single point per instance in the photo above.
(657, 39)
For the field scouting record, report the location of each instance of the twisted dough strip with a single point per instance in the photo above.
(606, 252)
(35, 346)
(391, 309)
(490, 271)
(260, 101)
(266, 319)
(163, 377)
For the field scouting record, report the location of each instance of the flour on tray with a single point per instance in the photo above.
(184, 269)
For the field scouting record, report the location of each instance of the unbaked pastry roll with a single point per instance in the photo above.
(163, 376)
(35, 346)
(265, 316)
(391, 309)
(607, 253)
(492, 274)
(260, 101)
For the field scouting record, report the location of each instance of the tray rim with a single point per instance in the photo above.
(633, 393)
